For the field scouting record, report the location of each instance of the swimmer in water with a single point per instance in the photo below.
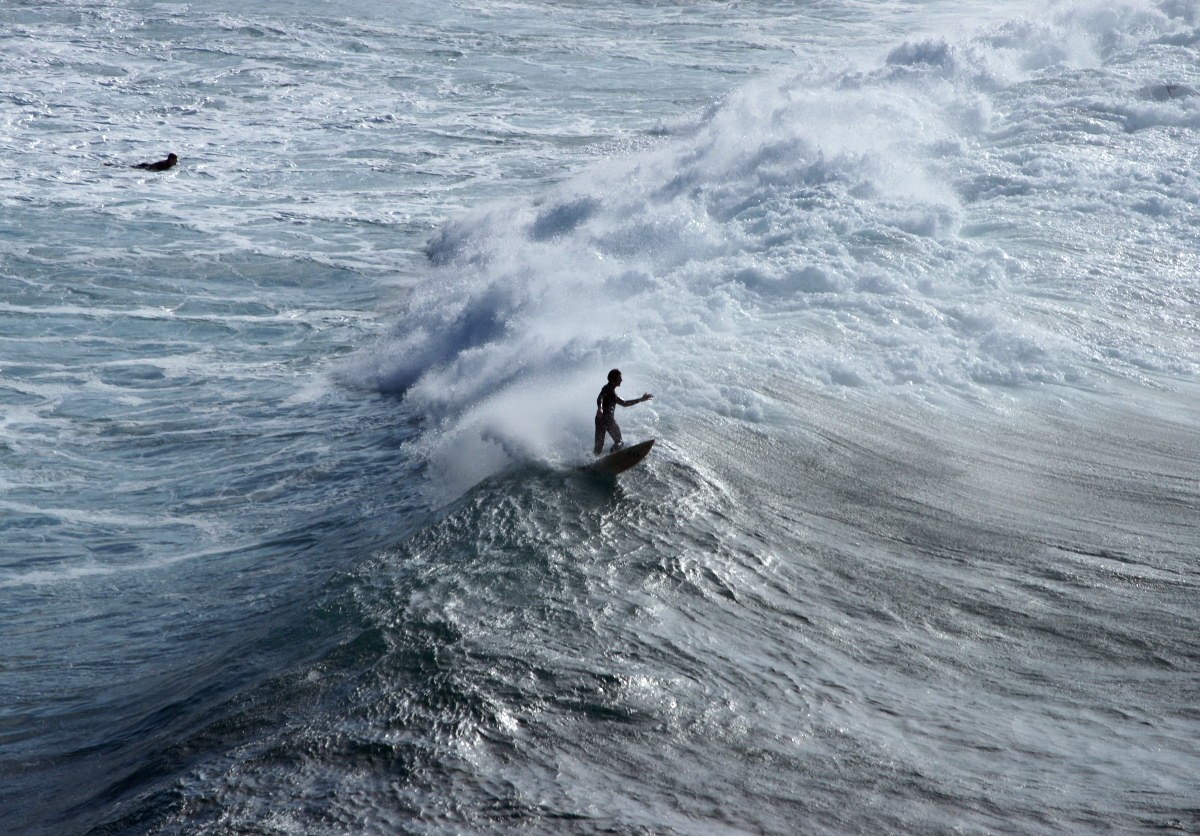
(161, 165)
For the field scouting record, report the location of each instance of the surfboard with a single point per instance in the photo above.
(623, 459)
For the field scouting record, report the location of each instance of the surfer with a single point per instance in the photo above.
(606, 405)
(161, 165)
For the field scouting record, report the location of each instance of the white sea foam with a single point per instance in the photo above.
(834, 223)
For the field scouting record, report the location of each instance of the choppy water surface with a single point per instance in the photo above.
(292, 533)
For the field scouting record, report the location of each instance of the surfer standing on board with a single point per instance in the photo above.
(606, 405)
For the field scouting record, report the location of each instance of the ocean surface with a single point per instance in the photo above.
(294, 534)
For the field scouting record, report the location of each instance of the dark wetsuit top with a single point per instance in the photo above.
(607, 401)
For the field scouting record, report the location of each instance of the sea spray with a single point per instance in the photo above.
(842, 224)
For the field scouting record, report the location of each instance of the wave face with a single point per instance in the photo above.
(294, 537)
(961, 218)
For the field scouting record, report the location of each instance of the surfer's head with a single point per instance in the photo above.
(615, 376)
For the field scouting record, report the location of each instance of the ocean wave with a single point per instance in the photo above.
(830, 221)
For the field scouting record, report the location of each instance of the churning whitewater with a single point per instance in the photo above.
(295, 537)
